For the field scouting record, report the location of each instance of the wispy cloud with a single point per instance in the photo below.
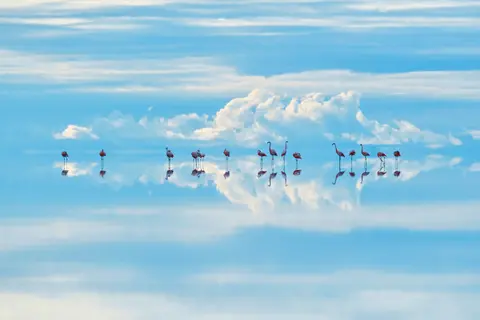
(475, 134)
(207, 76)
(422, 5)
(339, 22)
(261, 116)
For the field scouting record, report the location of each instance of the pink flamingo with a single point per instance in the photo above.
(397, 155)
(365, 155)
(351, 154)
(202, 157)
(273, 153)
(297, 157)
(227, 155)
(339, 153)
(261, 154)
(381, 156)
(195, 157)
(65, 161)
(284, 152)
(170, 155)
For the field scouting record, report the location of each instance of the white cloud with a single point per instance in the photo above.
(475, 134)
(75, 132)
(354, 297)
(340, 22)
(475, 167)
(385, 6)
(262, 116)
(209, 77)
(75, 169)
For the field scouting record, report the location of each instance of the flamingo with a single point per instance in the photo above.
(226, 153)
(351, 154)
(65, 161)
(170, 155)
(261, 154)
(397, 155)
(195, 157)
(338, 175)
(365, 155)
(273, 153)
(297, 157)
(284, 152)
(65, 157)
(202, 157)
(381, 156)
(339, 153)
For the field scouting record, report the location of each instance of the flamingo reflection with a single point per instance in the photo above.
(261, 173)
(364, 174)
(272, 176)
(168, 173)
(297, 172)
(338, 175)
(284, 174)
(382, 171)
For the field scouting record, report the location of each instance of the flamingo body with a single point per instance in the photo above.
(102, 153)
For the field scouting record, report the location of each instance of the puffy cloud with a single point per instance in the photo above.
(262, 115)
(75, 132)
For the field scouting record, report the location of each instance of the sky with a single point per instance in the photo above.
(239, 238)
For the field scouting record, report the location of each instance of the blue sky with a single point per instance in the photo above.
(135, 77)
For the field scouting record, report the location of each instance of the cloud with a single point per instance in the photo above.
(359, 294)
(388, 6)
(75, 132)
(339, 22)
(207, 76)
(76, 169)
(475, 167)
(262, 115)
(475, 134)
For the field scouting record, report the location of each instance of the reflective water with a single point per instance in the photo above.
(242, 236)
